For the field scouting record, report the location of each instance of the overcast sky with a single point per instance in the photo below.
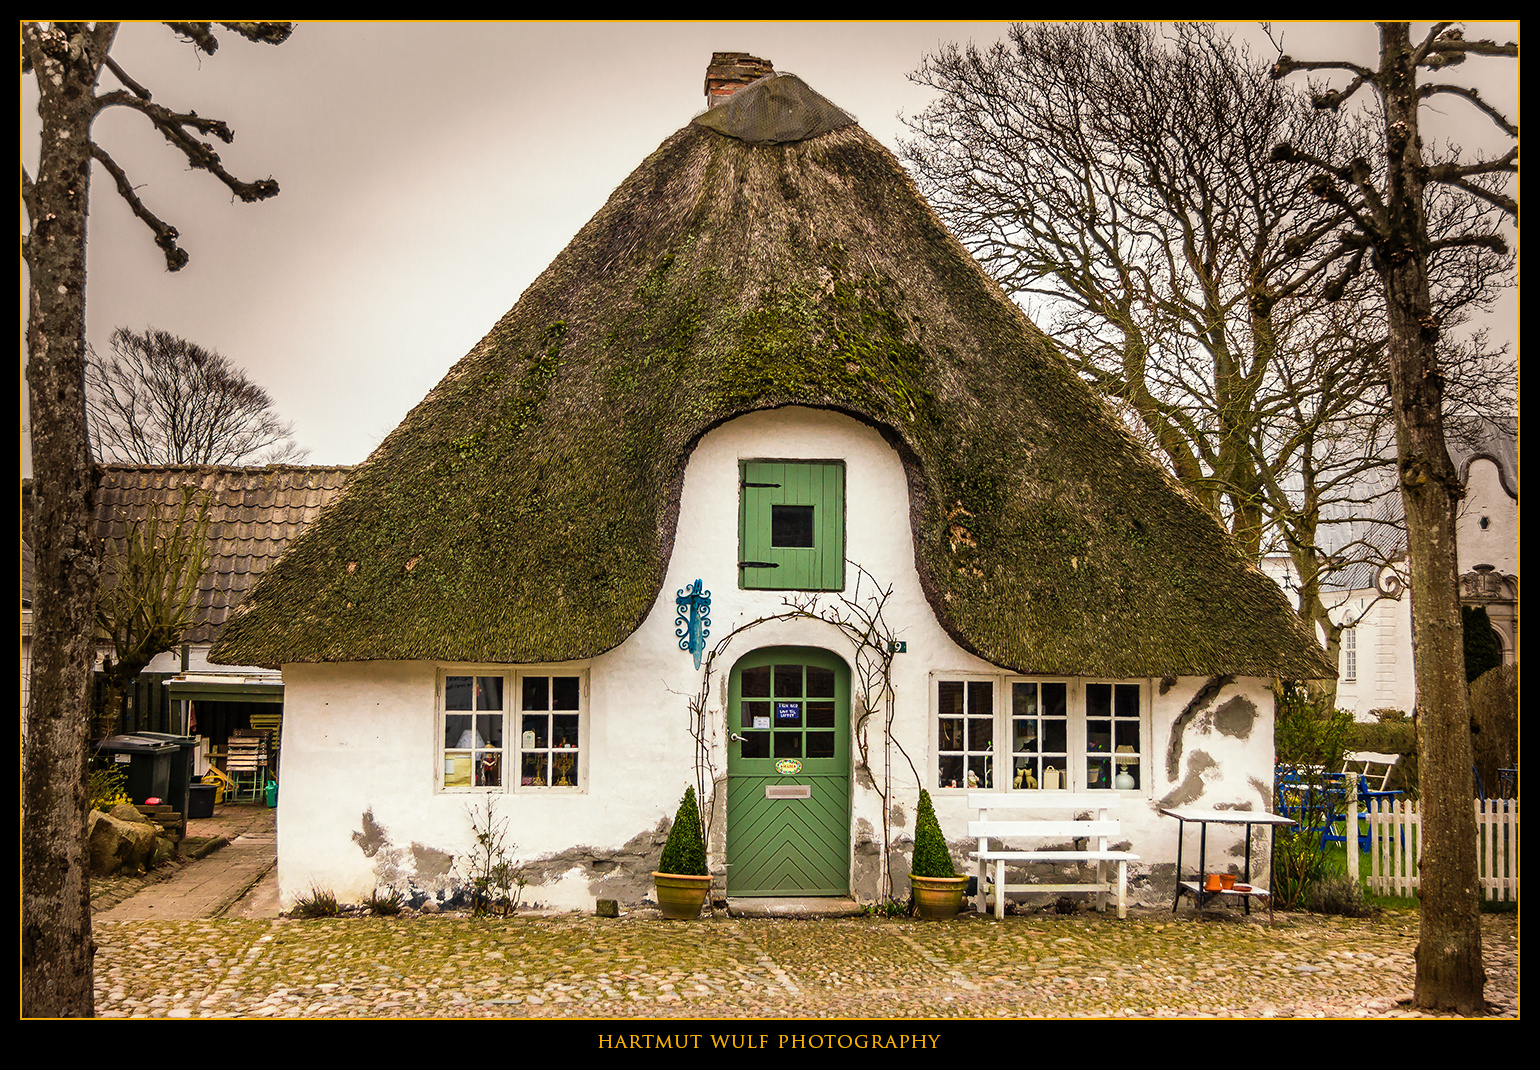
(430, 171)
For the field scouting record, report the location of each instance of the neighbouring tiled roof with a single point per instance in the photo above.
(254, 513)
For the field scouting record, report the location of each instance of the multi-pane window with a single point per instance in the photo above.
(473, 731)
(1059, 735)
(1039, 734)
(1112, 720)
(965, 745)
(787, 711)
(548, 716)
(1349, 655)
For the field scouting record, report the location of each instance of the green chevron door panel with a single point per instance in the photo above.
(788, 774)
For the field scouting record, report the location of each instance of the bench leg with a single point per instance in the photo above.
(1101, 887)
(980, 893)
(1000, 889)
(1122, 890)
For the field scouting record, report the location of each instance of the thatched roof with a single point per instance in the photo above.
(253, 515)
(524, 511)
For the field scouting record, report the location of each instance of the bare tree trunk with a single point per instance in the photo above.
(1449, 972)
(67, 58)
(56, 918)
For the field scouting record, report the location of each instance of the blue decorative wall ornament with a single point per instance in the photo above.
(693, 623)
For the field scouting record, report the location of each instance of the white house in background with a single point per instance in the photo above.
(766, 366)
(1374, 670)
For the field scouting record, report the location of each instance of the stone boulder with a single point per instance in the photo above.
(116, 845)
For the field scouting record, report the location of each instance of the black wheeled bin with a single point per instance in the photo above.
(148, 762)
(179, 790)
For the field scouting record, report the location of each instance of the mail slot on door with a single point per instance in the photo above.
(788, 791)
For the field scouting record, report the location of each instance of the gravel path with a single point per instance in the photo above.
(571, 966)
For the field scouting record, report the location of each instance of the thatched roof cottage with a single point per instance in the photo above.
(765, 365)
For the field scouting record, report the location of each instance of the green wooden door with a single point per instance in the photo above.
(788, 774)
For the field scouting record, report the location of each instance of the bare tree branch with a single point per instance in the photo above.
(122, 76)
(1501, 121)
(173, 128)
(200, 34)
(1124, 184)
(66, 60)
(263, 33)
(165, 234)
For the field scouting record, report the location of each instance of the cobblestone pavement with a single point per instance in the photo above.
(639, 966)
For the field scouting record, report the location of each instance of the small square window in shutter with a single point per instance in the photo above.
(791, 526)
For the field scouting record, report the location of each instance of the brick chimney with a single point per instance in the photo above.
(730, 72)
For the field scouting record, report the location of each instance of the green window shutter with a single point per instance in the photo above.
(791, 526)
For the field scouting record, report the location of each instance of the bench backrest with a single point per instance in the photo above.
(1023, 805)
(1363, 761)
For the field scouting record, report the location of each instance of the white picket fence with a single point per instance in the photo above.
(1395, 831)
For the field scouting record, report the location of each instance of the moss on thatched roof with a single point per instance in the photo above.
(525, 510)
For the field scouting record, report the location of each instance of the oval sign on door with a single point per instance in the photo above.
(788, 767)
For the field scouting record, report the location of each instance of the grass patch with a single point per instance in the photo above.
(386, 902)
(317, 903)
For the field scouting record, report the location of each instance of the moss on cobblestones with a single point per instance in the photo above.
(578, 966)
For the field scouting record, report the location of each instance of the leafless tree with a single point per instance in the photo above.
(1118, 180)
(1382, 198)
(160, 399)
(67, 60)
(149, 600)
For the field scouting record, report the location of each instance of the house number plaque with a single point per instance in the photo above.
(788, 766)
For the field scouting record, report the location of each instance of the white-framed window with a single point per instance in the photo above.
(1011, 733)
(512, 729)
(1349, 655)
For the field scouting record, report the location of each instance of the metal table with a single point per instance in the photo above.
(1203, 819)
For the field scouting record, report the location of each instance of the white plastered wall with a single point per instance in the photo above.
(1385, 678)
(361, 738)
(1496, 544)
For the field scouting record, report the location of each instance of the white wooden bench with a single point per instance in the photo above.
(1098, 829)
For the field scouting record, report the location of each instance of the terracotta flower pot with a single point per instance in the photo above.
(938, 898)
(681, 895)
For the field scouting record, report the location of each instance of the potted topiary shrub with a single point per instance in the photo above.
(681, 879)
(938, 890)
